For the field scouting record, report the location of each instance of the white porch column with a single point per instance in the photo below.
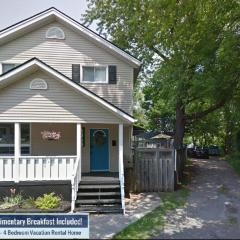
(79, 148)
(121, 166)
(17, 149)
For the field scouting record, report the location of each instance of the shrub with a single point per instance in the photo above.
(28, 203)
(13, 200)
(6, 205)
(234, 161)
(48, 201)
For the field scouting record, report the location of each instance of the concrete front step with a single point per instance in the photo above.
(102, 209)
(83, 194)
(90, 186)
(99, 196)
(97, 201)
(100, 182)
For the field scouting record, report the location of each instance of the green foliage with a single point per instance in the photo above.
(48, 201)
(146, 226)
(6, 205)
(139, 113)
(234, 161)
(28, 203)
(237, 141)
(13, 200)
(190, 55)
(232, 220)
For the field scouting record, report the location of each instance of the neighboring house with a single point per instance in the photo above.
(66, 99)
(154, 139)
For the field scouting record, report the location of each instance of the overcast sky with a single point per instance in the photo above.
(12, 11)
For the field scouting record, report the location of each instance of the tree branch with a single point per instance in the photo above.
(165, 58)
(199, 115)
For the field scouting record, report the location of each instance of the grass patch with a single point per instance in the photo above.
(234, 161)
(154, 221)
(232, 220)
(223, 189)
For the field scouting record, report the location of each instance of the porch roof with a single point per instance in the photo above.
(35, 64)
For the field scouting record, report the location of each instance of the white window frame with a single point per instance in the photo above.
(55, 37)
(81, 74)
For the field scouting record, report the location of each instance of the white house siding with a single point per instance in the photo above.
(59, 103)
(75, 49)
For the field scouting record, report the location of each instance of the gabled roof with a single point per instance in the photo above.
(52, 13)
(34, 64)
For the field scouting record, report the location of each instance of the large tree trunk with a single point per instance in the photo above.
(178, 142)
(228, 138)
(179, 126)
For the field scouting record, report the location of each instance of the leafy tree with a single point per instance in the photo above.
(190, 47)
(231, 125)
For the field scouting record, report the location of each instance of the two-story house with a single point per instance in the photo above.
(66, 97)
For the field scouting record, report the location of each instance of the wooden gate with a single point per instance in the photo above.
(154, 169)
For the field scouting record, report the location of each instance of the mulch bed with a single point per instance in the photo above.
(63, 207)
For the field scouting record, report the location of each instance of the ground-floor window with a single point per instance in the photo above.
(7, 139)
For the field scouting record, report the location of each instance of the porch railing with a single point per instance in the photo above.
(37, 168)
(76, 178)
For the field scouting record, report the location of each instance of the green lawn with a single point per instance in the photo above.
(154, 221)
(234, 161)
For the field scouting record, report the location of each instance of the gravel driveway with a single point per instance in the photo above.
(213, 207)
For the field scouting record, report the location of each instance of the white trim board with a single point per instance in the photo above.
(37, 63)
(52, 12)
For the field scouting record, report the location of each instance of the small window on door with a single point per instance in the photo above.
(99, 137)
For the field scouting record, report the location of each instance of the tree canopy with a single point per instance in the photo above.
(189, 49)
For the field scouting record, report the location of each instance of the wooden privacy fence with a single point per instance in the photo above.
(153, 169)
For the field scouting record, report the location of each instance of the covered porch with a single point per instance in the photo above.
(54, 130)
(25, 156)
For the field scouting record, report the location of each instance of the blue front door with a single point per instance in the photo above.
(99, 150)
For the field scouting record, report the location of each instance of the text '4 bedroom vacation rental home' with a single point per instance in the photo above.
(66, 97)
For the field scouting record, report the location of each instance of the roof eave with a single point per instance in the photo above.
(55, 12)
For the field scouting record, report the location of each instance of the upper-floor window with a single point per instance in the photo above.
(55, 33)
(96, 74)
(8, 66)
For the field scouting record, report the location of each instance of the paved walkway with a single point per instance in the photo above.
(105, 226)
(213, 207)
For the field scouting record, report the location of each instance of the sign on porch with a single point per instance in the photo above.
(38, 84)
(51, 135)
(44, 226)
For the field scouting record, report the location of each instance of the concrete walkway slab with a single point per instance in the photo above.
(106, 225)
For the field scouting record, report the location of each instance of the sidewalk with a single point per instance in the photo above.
(107, 225)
